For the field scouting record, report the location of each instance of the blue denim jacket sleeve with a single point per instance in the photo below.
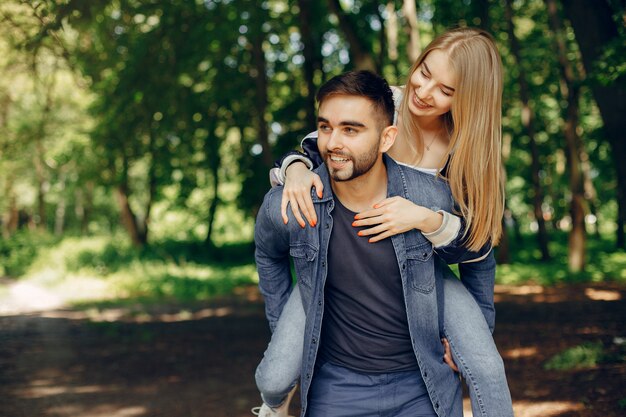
(479, 279)
(271, 238)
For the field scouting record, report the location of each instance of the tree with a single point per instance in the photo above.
(360, 53)
(570, 91)
(597, 35)
(529, 129)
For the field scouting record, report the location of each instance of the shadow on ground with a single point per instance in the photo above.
(199, 360)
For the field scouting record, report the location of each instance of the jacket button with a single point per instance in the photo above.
(403, 266)
(314, 340)
(425, 255)
(425, 374)
(308, 376)
(327, 225)
(319, 303)
(323, 264)
(436, 405)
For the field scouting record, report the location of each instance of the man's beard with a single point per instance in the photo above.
(355, 167)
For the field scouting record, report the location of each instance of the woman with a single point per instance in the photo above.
(449, 125)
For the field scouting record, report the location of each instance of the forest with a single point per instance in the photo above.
(136, 138)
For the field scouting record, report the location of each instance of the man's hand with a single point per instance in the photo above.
(447, 355)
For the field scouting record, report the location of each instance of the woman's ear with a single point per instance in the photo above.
(387, 138)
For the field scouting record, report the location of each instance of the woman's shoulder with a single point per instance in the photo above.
(398, 93)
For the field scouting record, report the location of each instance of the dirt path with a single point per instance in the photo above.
(199, 361)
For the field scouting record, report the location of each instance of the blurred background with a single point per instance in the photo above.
(135, 142)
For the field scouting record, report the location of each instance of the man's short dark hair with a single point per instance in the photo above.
(363, 84)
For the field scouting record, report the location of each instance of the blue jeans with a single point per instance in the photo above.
(338, 391)
(464, 326)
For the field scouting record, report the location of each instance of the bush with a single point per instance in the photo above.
(586, 355)
(19, 251)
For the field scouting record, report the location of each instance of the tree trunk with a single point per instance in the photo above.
(40, 175)
(577, 236)
(128, 218)
(59, 213)
(144, 227)
(595, 28)
(414, 48)
(259, 73)
(212, 152)
(391, 30)
(84, 205)
(10, 218)
(529, 129)
(309, 60)
(504, 252)
(483, 14)
(570, 91)
(39, 155)
(591, 195)
(359, 53)
(382, 39)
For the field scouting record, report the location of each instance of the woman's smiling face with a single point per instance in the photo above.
(432, 86)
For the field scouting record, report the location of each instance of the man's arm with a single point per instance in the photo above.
(479, 279)
(271, 238)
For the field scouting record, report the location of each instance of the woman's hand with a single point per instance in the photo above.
(447, 355)
(396, 215)
(297, 193)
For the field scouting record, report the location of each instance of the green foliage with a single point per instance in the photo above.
(158, 104)
(18, 252)
(604, 262)
(587, 355)
(110, 269)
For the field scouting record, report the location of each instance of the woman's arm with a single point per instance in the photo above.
(309, 156)
(293, 170)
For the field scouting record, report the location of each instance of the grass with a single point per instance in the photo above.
(604, 263)
(587, 355)
(109, 270)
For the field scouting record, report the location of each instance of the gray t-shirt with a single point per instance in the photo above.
(365, 322)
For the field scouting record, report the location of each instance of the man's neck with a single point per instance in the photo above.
(363, 192)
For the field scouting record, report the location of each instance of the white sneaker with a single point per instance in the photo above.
(267, 411)
(280, 411)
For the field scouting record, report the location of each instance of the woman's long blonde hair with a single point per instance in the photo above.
(474, 124)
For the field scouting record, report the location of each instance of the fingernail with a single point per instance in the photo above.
(356, 216)
(360, 233)
(353, 224)
(285, 221)
(313, 223)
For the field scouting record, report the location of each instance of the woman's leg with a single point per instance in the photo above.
(474, 351)
(279, 369)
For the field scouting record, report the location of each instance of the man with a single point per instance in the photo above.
(371, 340)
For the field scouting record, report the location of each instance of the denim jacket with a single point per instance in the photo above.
(277, 243)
